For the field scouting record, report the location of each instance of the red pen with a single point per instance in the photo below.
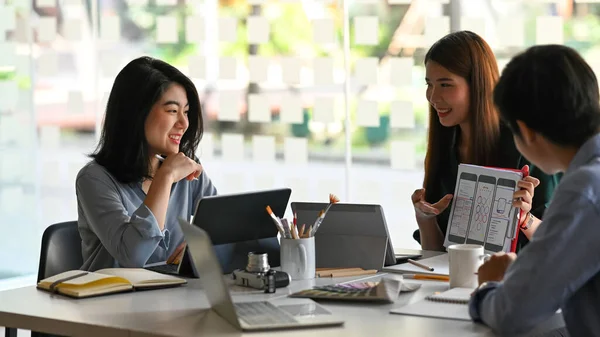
(513, 244)
(295, 218)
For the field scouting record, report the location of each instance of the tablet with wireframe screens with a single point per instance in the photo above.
(239, 223)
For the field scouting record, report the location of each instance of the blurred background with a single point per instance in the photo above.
(316, 95)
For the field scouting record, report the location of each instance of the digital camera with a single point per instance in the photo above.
(259, 275)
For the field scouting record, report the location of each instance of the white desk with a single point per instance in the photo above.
(184, 311)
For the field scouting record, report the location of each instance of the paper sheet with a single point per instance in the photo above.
(296, 151)
(227, 68)
(45, 3)
(205, 150)
(291, 109)
(72, 29)
(46, 29)
(258, 29)
(228, 107)
(324, 110)
(549, 30)
(263, 149)
(259, 108)
(366, 30)
(110, 28)
(474, 24)
(9, 94)
(511, 31)
(323, 31)
(323, 70)
(197, 66)
(75, 103)
(435, 29)
(401, 69)
(365, 71)
(290, 67)
(402, 155)
(232, 146)
(258, 67)
(227, 29)
(402, 115)
(166, 29)
(194, 29)
(367, 113)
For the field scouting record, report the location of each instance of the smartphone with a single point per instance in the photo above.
(502, 215)
(482, 209)
(462, 206)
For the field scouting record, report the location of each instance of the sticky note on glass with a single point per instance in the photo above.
(206, 147)
(227, 68)
(45, 3)
(258, 29)
(366, 30)
(258, 108)
(227, 29)
(401, 69)
(299, 187)
(46, 29)
(75, 102)
(323, 31)
(295, 151)
(9, 94)
(50, 137)
(367, 113)
(324, 110)
(511, 31)
(72, 29)
(166, 2)
(365, 71)
(232, 146)
(197, 66)
(474, 24)
(263, 182)
(263, 148)
(402, 155)
(258, 68)
(47, 64)
(110, 64)
(291, 109)
(228, 107)
(166, 29)
(9, 57)
(436, 28)
(110, 28)
(194, 29)
(290, 68)
(549, 30)
(7, 18)
(323, 70)
(402, 115)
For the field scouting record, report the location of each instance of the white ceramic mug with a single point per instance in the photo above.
(298, 258)
(464, 261)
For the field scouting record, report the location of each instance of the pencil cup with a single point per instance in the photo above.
(298, 258)
(464, 261)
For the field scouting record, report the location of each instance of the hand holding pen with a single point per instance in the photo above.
(179, 166)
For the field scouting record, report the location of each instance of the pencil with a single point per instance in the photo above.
(427, 277)
(420, 265)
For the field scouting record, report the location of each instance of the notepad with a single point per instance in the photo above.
(81, 284)
(450, 304)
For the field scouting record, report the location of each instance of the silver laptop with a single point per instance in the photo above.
(285, 313)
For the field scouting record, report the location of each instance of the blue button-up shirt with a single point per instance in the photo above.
(118, 230)
(560, 267)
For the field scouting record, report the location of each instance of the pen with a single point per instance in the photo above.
(161, 159)
(420, 265)
(427, 277)
(278, 223)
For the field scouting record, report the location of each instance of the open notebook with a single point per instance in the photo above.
(450, 304)
(79, 284)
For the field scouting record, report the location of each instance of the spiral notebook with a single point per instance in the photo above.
(450, 304)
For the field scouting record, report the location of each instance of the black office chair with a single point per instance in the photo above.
(61, 250)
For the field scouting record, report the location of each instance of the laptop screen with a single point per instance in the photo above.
(203, 257)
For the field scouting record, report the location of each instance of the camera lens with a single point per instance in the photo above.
(258, 262)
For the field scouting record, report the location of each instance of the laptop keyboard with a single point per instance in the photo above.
(262, 313)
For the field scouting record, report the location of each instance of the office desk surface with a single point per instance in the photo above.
(184, 311)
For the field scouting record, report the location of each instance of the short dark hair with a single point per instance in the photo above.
(123, 148)
(553, 91)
